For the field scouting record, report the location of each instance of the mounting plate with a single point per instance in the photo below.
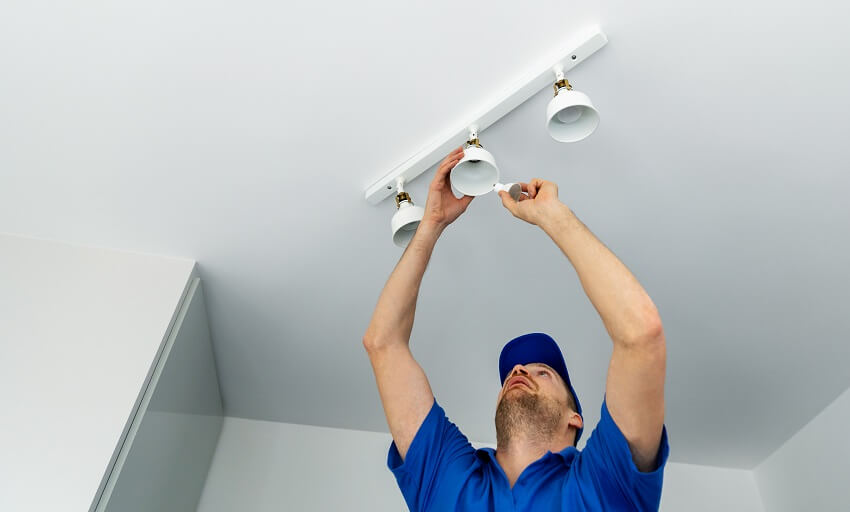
(569, 56)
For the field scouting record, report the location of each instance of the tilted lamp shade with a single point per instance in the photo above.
(476, 173)
(570, 116)
(404, 223)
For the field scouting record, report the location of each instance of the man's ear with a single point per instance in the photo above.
(575, 420)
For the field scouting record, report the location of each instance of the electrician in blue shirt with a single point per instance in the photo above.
(536, 465)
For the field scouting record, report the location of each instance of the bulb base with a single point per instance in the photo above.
(562, 84)
(402, 196)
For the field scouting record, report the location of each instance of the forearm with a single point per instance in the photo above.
(626, 310)
(392, 320)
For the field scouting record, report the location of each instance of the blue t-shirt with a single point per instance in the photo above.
(443, 472)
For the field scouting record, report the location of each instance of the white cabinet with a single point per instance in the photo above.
(163, 462)
(83, 332)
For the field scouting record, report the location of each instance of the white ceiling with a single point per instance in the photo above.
(244, 134)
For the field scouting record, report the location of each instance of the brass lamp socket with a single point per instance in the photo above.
(562, 84)
(402, 196)
(473, 142)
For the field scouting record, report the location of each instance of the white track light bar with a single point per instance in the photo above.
(530, 83)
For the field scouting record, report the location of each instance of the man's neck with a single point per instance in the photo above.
(520, 452)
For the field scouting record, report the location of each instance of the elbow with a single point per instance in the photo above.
(651, 334)
(374, 344)
(369, 338)
(371, 344)
(655, 331)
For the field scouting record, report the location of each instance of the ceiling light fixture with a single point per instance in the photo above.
(407, 218)
(536, 78)
(570, 116)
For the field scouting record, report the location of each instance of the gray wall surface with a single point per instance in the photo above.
(811, 471)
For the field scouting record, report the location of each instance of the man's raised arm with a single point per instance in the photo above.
(634, 392)
(405, 392)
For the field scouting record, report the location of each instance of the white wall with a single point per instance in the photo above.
(268, 466)
(79, 330)
(811, 471)
(693, 488)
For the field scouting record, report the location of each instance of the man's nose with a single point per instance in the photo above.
(519, 370)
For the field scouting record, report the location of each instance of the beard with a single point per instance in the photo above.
(531, 416)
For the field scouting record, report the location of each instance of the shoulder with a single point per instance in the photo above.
(437, 441)
(606, 463)
(437, 464)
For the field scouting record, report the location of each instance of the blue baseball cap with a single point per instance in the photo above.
(537, 347)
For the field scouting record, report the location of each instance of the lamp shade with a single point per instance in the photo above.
(476, 173)
(405, 221)
(570, 116)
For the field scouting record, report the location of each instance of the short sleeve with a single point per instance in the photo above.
(607, 461)
(438, 452)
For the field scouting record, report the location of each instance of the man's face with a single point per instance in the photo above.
(532, 403)
(534, 378)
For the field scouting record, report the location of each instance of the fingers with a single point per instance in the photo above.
(448, 163)
(508, 202)
(530, 189)
(456, 154)
(533, 187)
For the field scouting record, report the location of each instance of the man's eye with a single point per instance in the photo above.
(543, 372)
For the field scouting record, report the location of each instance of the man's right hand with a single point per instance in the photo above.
(539, 203)
(442, 207)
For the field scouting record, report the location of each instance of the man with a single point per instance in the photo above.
(536, 465)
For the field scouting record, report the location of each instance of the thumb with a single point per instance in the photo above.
(507, 201)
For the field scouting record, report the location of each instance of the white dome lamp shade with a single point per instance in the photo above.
(570, 116)
(476, 173)
(407, 218)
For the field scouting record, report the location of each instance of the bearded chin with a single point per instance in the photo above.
(529, 416)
